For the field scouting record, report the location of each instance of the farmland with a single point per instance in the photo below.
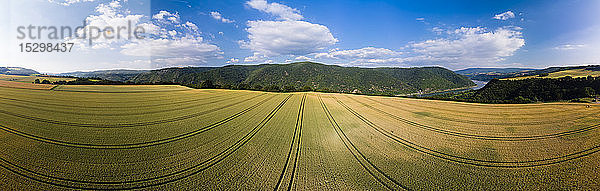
(574, 73)
(172, 137)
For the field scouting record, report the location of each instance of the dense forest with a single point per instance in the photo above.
(313, 76)
(530, 90)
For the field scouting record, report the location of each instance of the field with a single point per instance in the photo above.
(574, 73)
(29, 79)
(175, 138)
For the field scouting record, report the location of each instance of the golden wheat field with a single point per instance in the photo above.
(176, 138)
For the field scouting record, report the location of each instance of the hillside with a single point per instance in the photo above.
(487, 74)
(560, 72)
(17, 71)
(113, 75)
(316, 76)
(475, 71)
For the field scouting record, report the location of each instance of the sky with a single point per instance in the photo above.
(362, 33)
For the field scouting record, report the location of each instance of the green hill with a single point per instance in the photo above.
(316, 76)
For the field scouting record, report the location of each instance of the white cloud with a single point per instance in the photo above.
(168, 42)
(165, 16)
(505, 16)
(255, 58)
(274, 38)
(468, 47)
(303, 58)
(219, 17)
(420, 19)
(570, 47)
(109, 19)
(282, 12)
(233, 60)
(177, 47)
(363, 53)
(68, 2)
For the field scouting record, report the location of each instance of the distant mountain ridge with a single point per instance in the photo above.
(17, 71)
(113, 75)
(487, 74)
(317, 76)
(474, 71)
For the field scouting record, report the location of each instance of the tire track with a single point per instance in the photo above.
(490, 106)
(133, 145)
(187, 106)
(145, 183)
(124, 125)
(297, 133)
(121, 92)
(110, 107)
(391, 183)
(470, 161)
(86, 91)
(490, 123)
(481, 137)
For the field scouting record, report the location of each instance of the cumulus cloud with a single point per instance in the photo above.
(454, 49)
(167, 40)
(165, 16)
(468, 47)
(569, 47)
(274, 38)
(505, 16)
(232, 60)
(303, 58)
(68, 2)
(174, 43)
(256, 57)
(109, 17)
(176, 47)
(363, 53)
(219, 17)
(282, 12)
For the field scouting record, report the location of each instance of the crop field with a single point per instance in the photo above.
(176, 138)
(574, 73)
(29, 79)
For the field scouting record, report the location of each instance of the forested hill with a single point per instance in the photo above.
(315, 76)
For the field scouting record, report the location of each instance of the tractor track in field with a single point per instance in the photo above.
(297, 133)
(112, 107)
(133, 145)
(491, 106)
(470, 161)
(145, 183)
(122, 92)
(124, 125)
(481, 137)
(108, 92)
(137, 99)
(187, 106)
(349, 145)
(490, 123)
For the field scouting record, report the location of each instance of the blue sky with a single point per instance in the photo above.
(451, 34)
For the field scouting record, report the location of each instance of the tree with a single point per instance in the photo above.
(46, 82)
(37, 81)
(243, 86)
(589, 92)
(305, 89)
(289, 88)
(272, 88)
(207, 84)
(257, 87)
